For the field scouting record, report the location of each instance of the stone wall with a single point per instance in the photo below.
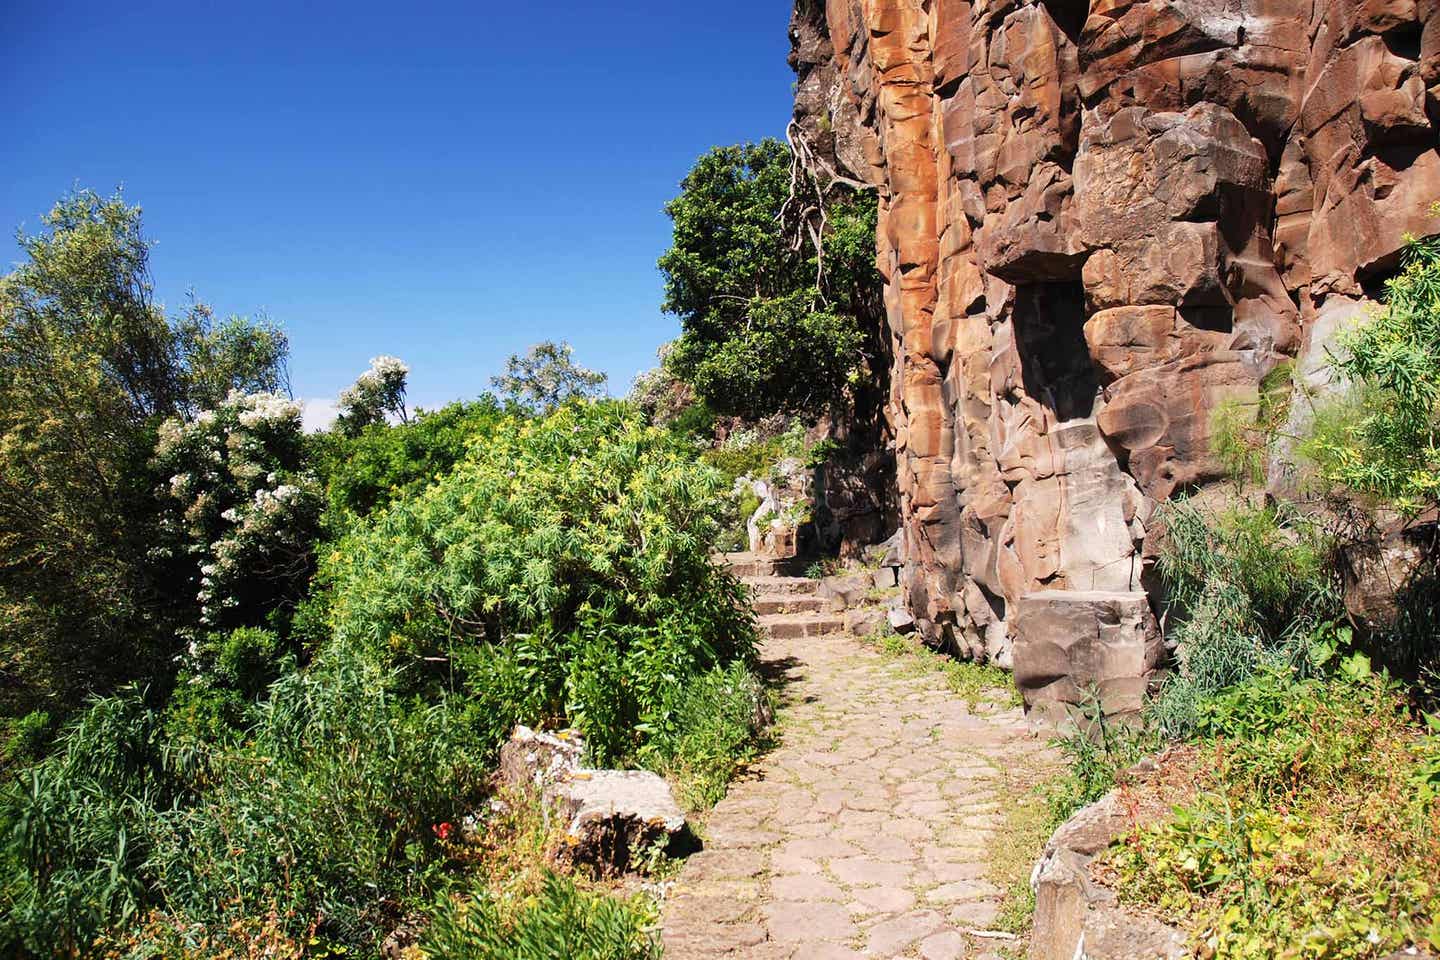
(1096, 224)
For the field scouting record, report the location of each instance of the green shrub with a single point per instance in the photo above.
(712, 729)
(563, 921)
(383, 462)
(1386, 447)
(754, 452)
(324, 814)
(1311, 834)
(221, 680)
(562, 571)
(1249, 587)
(327, 813)
(76, 829)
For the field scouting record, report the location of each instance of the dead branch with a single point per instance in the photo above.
(809, 173)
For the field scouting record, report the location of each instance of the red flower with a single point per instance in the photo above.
(443, 830)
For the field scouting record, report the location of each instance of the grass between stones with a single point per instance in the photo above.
(975, 683)
(1013, 851)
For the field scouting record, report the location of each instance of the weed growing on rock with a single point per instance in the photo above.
(1250, 587)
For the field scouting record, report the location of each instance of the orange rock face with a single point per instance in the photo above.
(1097, 223)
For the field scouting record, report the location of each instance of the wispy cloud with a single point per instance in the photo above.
(317, 414)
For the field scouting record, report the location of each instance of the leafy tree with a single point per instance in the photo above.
(546, 377)
(234, 354)
(385, 462)
(89, 365)
(377, 393)
(771, 322)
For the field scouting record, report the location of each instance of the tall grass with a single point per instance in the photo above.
(1248, 587)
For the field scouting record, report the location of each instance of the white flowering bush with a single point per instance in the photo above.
(241, 515)
(376, 394)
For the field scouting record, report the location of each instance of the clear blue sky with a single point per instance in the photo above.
(446, 182)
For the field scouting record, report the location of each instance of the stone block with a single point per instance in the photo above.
(1074, 648)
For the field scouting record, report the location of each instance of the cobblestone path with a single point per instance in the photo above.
(864, 833)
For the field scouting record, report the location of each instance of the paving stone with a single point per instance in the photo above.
(821, 950)
(817, 848)
(888, 848)
(962, 890)
(865, 831)
(804, 887)
(950, 871)
(865, 872)
(979, 914)
(947, 945)
(881, 899)
(898, 933)
(789, 863)
(808, 920)
(725, 865)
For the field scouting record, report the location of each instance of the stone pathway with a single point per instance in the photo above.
(865, 832)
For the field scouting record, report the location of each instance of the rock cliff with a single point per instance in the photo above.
(1096, 224)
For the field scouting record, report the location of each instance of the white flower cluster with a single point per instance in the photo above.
(378, 391)
(387, 368)
(386, 374)
(740, 439)
(235, 505)
(263, 409)
(267, 525)
(172, 433)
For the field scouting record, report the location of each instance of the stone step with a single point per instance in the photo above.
(758, 565)
(781, 586)
(786, 626)
(789, 603)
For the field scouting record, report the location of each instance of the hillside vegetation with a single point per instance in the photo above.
(257, 679)
(1298, 742)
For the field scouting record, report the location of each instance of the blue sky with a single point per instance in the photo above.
(447, 183)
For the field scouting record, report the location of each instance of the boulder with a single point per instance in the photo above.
(900, 620)
(615, 815)
(865, 621)
(1077, 917)
(1074, 651)
(1379, 574)
(844, 592)
(889, 552)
